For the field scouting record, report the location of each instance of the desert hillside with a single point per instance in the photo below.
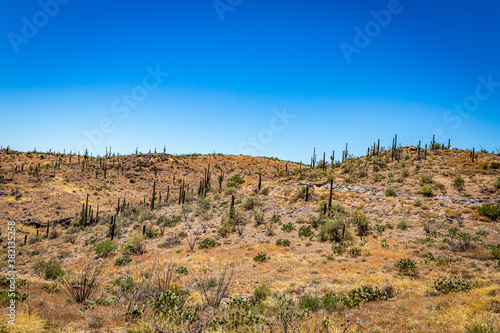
(404, 239)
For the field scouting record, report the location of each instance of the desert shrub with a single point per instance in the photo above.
(53, 269)
(378, 177)
(53, 234)
(283, 242)
(281, 173)
(133, 245)
(334, 230)
(182, 270)
(265, 191)
(151, 232)
(309, 302)
(427, 191)
(478, 327)
(484, 166)
(402, 223)
(88, 281)
(276, 218)
(70, 239)
(51, 289)
(305, 231)
(145, 214)
(239, 313)
(262, 292)
(33, 239)
(258, 216)
(362, 224)
(407, 267)
(454, 285)
(182, 235)
(459, 183)
(250, 203)
(300, 220)
(288, 227)
(426, 178)
(497, 183)
(495, 165)
(230, 190)
(208, 243)
(464, 240)
(334, 302)
(235, 181)
(122, 261)
(321, 206)
(405, 172)
(495, 251)
(490, 211)
(339, 248)
(261, 257)
(104, 248)
(390, 192)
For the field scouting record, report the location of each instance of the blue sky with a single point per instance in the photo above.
(81, 74)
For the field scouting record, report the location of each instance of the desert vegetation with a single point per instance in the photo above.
(400, 239)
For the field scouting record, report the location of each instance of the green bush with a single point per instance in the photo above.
(235, 181)
(459, 183)
(497, 183)
(133, 245)
(495, 251)
(390, 192)
(283, 242)
(262, 292)
(33, 239)
(454, 285)
(490, 211)
(334, 302)
(339, 248)
(182, 270)
(334, 230)
(182, 235)
(407, 267)
(261, 257)
(309, 302)
(305, 231)
(104, 248)
(402, 223)
(427, 191)
(208, 243)
(53, 269)
(53, 234)
(265, 191)
(288, 227)
(495, 165)
(122, 261)
(250, 203)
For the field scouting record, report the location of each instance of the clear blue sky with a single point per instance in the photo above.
(344, 71)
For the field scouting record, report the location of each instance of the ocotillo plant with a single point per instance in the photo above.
(48, 225)
(307, 193)
(260, 181)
